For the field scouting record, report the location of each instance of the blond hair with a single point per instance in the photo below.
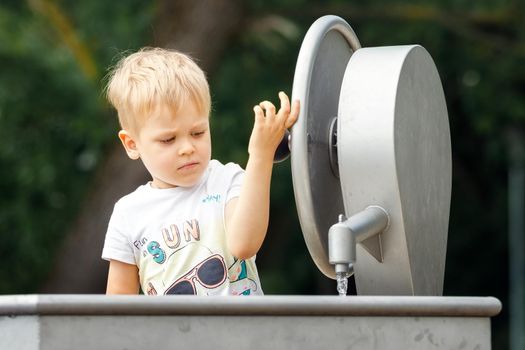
(152, 76)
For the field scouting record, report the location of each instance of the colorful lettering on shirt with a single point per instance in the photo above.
(140, 243)
(212, 198)
(151, 290)
(159, 256)
(191, 229)
(171, 236)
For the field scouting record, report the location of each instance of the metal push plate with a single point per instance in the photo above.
(323, 57)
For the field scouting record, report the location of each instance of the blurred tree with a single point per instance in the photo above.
(49, 114)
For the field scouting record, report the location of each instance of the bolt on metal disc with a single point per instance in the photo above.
(323, 57)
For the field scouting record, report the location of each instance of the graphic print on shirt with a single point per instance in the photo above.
(167, 234)
(158, 254)
(151, 289)
(172, 238)
(194, 269)
(240, 284)
(197, 270)
(190, 230)
(208, 274)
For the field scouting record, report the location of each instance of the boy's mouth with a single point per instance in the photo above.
(187, 165)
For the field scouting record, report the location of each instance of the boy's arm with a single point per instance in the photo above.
(246, 217)
(122, 278)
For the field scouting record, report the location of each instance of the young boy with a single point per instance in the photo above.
(196, 226)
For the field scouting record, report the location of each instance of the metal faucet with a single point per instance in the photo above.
(344, 236)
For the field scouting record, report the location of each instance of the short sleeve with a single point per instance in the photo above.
(117, 245)
(237, 178)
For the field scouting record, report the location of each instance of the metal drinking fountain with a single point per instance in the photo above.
(371, 161)
(371, 166)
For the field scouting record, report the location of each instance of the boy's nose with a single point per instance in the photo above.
(186, 147)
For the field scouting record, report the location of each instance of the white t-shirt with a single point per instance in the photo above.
(176, 237)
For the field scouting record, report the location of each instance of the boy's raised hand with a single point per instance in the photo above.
(269, 126)
(247, 216)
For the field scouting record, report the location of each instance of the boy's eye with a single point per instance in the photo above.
(198, 133)
(168, 140)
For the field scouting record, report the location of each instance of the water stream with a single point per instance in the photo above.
(342, 283)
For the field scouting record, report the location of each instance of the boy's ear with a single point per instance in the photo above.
(129, 144)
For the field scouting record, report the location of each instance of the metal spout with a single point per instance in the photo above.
(344, 235)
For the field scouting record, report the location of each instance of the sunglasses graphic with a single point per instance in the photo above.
(210, 273)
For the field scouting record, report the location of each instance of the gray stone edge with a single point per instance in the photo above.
(76, 304)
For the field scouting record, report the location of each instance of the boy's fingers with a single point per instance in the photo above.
(285, 104)
(296, 106)
(259, 114)
(268, 107)
(294, 114)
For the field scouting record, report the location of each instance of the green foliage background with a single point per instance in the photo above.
(55, 125)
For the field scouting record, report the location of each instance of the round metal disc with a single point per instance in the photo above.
(394, 151)
(323, 57)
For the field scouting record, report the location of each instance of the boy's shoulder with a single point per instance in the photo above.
(217, 167)
(132, 198)
(223, 172)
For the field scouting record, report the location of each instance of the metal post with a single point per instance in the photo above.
(516, 203)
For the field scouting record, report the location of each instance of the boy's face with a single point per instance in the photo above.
(175, 148)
